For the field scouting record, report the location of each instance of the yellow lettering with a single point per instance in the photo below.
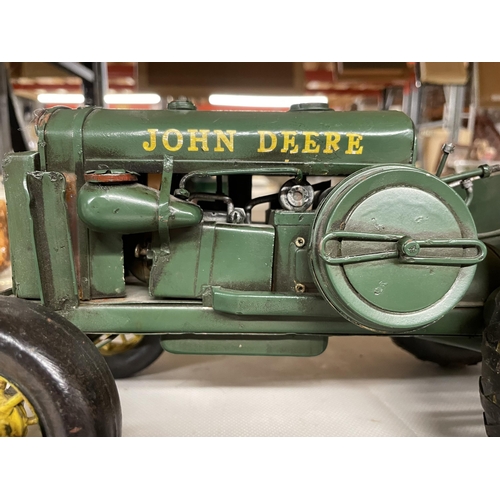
(332, 142)
(166, 143)
(152, 140)
(310, 145)
(203, 139)
(274, 141)
(228, 141)
(354, 140)
(289, 142)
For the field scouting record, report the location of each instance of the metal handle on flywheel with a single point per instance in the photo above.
(406, 249)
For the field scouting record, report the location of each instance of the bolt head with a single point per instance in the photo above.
(237, 216)
(300, 242)
(410, 248)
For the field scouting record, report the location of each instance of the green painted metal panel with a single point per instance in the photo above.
(64, 152)
(285, 218)
(485, 205)
(205, 258)
(54, 252)
(25, 281)
(303, 269)
(178, 277)
(106, 265)
(243, 256)
(183, 316)
(229, 255)
(277, 345)
(69, 126)
(247, 303)
(291, 262)
(319, 142)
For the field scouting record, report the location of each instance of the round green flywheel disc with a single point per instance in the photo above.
(393, 248)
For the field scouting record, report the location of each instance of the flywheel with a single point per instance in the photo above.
(394, 248)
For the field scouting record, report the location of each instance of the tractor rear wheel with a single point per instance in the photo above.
(128, 354)
(444, 355)
(489, 383)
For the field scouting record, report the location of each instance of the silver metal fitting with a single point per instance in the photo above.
(237, 216)
(296, 197)
(448, 148)
(300, 242)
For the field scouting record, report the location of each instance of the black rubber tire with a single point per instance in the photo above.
(59, 370)
(489, 383)
(128, 363)
(447, 356)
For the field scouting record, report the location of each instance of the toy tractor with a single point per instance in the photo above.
(139, 226)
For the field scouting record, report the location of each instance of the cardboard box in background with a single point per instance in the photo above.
(432, 141)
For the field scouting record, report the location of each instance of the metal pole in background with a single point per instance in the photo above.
(416, 104)
(13, 134)
(5, 139)
(94, 91)
(474, 100)
(412, 106)
(455, 97)
(94, 77)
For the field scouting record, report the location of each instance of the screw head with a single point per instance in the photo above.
(408, 247)
(300, 242)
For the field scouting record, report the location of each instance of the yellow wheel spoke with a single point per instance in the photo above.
(14, 411)
(32, 420)
(11, 402)
(121, 343)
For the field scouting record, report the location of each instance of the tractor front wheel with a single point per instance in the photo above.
(52, 377)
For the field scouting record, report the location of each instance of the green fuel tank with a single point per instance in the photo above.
(315, 139)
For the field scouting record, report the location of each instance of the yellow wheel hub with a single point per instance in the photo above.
(122, 343)
(14, 409)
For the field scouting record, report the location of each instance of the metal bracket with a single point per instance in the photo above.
(164, 211)
(161, 251)
(406, 249)
(54, 253)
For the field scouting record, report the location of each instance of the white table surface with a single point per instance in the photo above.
(360, 386)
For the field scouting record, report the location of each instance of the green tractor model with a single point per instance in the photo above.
(133, 232)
